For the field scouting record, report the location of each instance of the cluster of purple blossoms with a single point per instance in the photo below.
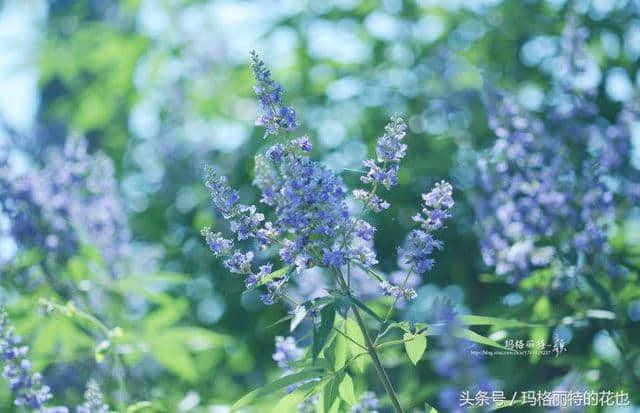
(287, 351)
(71, 200)
(275, 116)
(420, 244)
(524, 190)
(27, 387)
(310, 205)
(312, 226)
(384, 170)
(550, 191)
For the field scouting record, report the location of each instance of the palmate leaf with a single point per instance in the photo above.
(321, 333)
(276, 385)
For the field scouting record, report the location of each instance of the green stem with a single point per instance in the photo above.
(349, 338)
(382, 374)
(371, 348)
(393, 306)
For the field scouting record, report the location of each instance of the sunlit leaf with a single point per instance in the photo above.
(415, 346)
(346, 390)
(274, 386)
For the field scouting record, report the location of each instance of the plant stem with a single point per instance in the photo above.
(371, 348)
(382, 374)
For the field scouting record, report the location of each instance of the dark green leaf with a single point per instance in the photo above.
(321, 333)
(331, 391)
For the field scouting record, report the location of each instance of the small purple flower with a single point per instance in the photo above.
(287, 352)
(239, 263)
(387, 177)
(417, 250)
(364, 230)
(390, 147)
(390, 151)
(373, 202)
(333, 258)
(275, 152)
(275, 116)
(224, 197)
(303, 143)
(437, 204)
(253, 279)
(219, 245)
(395, 291)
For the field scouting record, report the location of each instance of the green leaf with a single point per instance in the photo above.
(175, 358)
(331, 391)
(274, 386)
(167, 315)
(321, 334)
(271, 276)
(299, 314)
(538, 333)
(477, 338)
(429, 408)
(478, 320)
(138, 407)
(290, 402)
(339, 350)
(346, 390)
(415, 346)
(353, 330)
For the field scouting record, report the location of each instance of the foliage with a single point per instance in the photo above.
(316, 297)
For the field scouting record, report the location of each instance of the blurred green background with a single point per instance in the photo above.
(164, 87)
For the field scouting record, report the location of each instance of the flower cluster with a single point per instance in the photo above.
(524, 189)
(546, 194)
(287, 352)
(93, 400)
(275, 115)
(27, 387)
(312, 224)
(384, 170)
(310, 205)
(419, 244)
(71, 200)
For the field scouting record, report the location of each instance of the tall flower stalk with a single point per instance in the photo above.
(312, 227)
